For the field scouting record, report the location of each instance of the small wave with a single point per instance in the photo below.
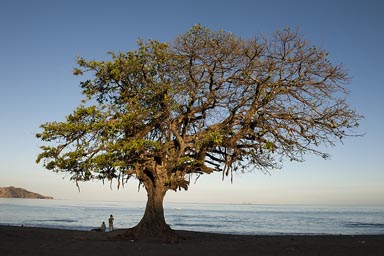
(364, 225)
(55, 226)
(57, 220)
(196, 225)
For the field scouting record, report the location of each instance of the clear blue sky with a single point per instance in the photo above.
(40, 40)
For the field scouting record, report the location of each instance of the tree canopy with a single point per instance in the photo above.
(208, 101)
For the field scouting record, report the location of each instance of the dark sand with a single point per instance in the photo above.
(40, 241)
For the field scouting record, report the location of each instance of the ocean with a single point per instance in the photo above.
(246, 219)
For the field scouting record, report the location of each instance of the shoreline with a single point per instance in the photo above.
(19, 241)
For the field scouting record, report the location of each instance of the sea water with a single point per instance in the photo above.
(217, 218)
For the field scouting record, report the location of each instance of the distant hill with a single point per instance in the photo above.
(12, 192)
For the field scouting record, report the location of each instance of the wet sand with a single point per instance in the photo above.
(18, 241)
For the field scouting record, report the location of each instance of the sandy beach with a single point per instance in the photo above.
(19, 241)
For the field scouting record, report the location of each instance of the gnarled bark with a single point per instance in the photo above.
(153, 222)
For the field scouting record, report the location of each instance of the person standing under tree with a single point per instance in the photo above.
(110, 221)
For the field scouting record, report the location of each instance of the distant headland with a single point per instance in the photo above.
(12, 192)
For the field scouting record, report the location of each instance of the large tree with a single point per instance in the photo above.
(207, 102)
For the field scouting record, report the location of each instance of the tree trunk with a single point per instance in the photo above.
(153, 222)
